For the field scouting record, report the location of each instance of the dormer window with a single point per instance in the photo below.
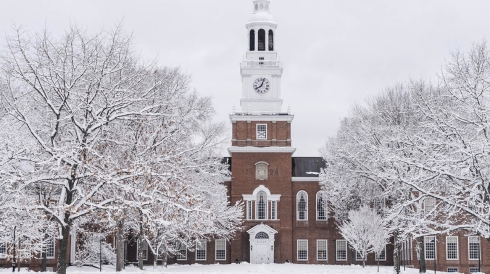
(261, 132)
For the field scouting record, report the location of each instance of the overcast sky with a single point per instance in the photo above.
(336, 53)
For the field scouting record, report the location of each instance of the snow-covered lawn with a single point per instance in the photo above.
(243, 268)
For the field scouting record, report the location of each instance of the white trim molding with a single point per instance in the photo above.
(261, 117)
(305, 179)
(261, 150)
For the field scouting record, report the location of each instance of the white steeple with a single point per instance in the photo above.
(261, 69)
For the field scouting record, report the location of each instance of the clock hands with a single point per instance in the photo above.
(263, 80)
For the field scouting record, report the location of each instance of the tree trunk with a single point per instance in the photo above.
(421, 246)
(43, 251)
(396, 253)
(140, 252)
(120, 245)
(63, 249)
(43, 258)
(378, 262)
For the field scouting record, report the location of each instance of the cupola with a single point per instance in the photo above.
(261, 27)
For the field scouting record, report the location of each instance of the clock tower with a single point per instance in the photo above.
(261, 152)
(261, 68)
(261, 121)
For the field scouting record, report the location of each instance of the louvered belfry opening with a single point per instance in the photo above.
(271, 40)
(261, 40)
(252, 40)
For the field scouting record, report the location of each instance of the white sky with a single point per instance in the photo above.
(335, 52)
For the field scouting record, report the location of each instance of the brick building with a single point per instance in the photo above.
(285, 219)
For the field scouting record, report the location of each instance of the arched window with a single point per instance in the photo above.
(261, 205)
(302, 206)
(321, 206)
(256, 7)
(271, 40)
(261, 40)
(262, 235)
(429, 204)
(252, 40)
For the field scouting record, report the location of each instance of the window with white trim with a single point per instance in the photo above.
(429, 204)
(302, 250)
(321, 214)
(452, 270)
(321, 250)
(50, 248)
(474, 269)
(430, 247)
(474, 247)
(358, 256)
(452, 247)
(261, 205)
(249, 210)
(220, 247)
(261, 132)
(341, 250)
(302, 206)
(381, 256)
(201, 250)
(144, 249)
(181, 251)
(3, 250)
(273, 210)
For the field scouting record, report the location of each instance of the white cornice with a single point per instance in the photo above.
(279, 118)
(262, 150)
(305, 179)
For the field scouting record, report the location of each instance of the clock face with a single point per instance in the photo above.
(261, 85)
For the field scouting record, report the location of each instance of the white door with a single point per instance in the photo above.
(262, 254)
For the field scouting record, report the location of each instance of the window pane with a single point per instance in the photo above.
(452, 269)
(3, 248)
(341, 250)
(182, 251)
(201, 250)
(273, 210)
(50, 248)
(320, 206)
(249, 210)
(261, 206)
(382, 255)
(452, 247)
(474, 269)
(302, 250)
(261, 132)
(430, 248)
(302, 205)
(321, 250)
(429, 204)
(474, 247)
(220, 250)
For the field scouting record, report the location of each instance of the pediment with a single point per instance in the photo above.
(261, 228)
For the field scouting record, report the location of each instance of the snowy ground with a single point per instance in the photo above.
(243, 268)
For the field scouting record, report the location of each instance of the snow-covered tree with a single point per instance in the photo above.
(105, 132)
(366, 231)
